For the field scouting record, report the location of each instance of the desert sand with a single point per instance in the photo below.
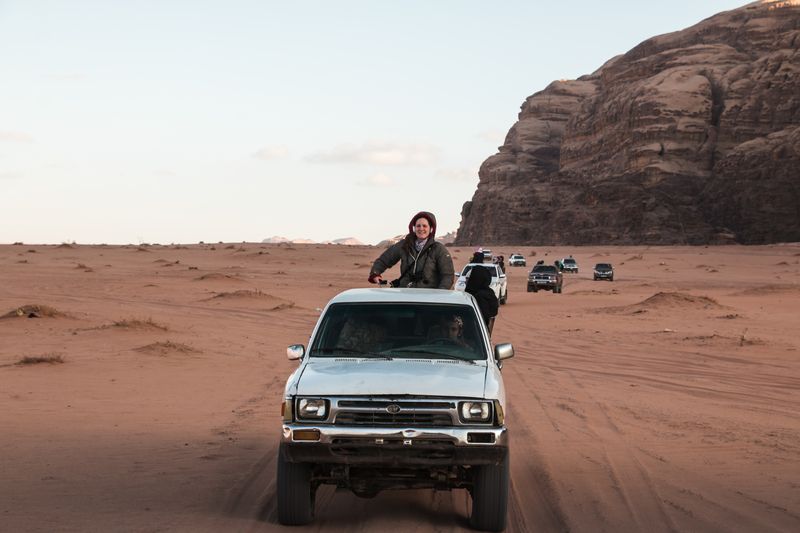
(140, 389)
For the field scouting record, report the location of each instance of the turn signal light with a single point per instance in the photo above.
(306, 434)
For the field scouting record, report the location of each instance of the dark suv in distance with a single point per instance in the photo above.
(546, 278)
(603, 271)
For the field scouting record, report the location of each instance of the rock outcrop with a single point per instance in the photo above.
(690, 137)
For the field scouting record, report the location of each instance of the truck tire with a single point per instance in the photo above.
(490, 496)
(295, 494)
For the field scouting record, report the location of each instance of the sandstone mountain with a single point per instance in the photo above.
(690, 137)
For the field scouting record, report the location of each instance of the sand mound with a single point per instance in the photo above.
(679, 300)
(166, 348)
(34, 311)
(257, 295)
(769, 289)
(667, 301)
(216, 276)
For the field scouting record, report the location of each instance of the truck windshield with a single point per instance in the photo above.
(400, 330)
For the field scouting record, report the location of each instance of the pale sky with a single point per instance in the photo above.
(172, 121)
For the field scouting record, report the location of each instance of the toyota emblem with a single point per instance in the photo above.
(393, 409)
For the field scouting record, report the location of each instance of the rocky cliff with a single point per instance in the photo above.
(690, 137)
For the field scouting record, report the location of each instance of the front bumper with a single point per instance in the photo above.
(393, 446)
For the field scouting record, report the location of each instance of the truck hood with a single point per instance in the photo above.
(378, 377)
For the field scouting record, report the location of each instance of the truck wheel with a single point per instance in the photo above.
(504, 299)
(295, 495)
(530, 289)
(490, 496)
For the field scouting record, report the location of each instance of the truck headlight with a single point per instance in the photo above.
(475, 411)
(312, 409)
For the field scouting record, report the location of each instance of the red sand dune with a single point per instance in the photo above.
(685, 417)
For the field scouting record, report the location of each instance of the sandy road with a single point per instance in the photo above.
(627, 413)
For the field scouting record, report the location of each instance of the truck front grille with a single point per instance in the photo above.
(373, 418)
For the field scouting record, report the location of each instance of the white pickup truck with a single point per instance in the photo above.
(398, 389)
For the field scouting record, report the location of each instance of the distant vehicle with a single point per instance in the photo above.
(499, 282)
(569, 265)
(487, 255)
(516, 260)
(603, 271)
(545, 278)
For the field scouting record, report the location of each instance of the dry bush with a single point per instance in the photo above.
(163, 348)
(34, 311)
(53, 359)
(216, 276)
(255, 293)
(137, 323)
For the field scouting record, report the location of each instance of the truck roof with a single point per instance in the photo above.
(391, 295)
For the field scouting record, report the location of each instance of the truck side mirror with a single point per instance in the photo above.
(295, 352)
(503, 351)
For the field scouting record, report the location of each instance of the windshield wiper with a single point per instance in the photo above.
(341, 351)
(438, 354)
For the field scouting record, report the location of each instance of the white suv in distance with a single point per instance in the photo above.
(517, 260)
(399, 388)
(499, 283)
(568, 264)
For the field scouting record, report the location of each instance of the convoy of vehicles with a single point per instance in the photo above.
(546, 278)
(499, 282)
(399, 388)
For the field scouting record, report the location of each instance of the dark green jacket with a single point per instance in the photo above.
(432, 268)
